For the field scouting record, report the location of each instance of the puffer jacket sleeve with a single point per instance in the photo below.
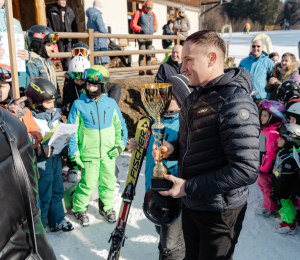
(121, 132)
(114, 91)
(100, 24)
(239, 134)
(160, 76)
(74, 118)
(134, 22)
(271, 148)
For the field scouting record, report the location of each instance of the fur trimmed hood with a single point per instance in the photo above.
(293, 67)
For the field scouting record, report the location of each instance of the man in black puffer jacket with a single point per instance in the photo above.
(217, 150)
(15, 242)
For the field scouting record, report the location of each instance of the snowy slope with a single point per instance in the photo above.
(257, 241)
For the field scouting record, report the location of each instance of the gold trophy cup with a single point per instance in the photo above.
(156, 98)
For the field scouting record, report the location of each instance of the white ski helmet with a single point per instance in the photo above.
(79, 64)
(294, 111)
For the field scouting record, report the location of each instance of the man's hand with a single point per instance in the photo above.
(133, 144)
(178, 189)
(23, 54)
(115, 152)
(77, 164)
(166, 149)
(273, 80)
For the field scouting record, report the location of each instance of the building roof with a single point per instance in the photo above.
(196, 3)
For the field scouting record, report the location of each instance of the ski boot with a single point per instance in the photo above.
(64, 226)
(261, 211)
(149, 72)
(110, 215)
(286, 228)
(141, 73)
(82, 218)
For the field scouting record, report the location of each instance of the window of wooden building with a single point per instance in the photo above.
(132, 7)
(172, 13)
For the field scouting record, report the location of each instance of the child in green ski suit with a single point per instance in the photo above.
(100, 138)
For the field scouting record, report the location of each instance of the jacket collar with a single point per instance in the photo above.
(86, 99)
(262, 56)
(277, 71)
(174, 63)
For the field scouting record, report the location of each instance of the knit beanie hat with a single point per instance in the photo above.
(180, 87)
(149, 4)
(181, 9)
(97, 3)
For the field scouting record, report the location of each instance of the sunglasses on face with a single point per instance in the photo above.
(255, 46)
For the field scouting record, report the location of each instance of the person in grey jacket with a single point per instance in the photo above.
(95, 21)
(182, 24)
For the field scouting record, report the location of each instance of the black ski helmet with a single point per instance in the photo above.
(37, 37)
(290, 89)
(81, 45)
(161, 210)
(290, 133)
(40, 90)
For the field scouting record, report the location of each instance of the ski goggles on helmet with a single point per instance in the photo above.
(266, 104)
(52, 37)
(282, 129)
(80, 51)
(76, 75)
(95, 76)
(5, 73)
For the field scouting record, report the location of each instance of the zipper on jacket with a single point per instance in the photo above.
(92, 117)
(104, 117)
(99, 127)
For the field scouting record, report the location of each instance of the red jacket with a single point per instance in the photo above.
(135, 20)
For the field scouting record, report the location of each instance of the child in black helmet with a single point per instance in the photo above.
(41, 94)
(40, 39)
(285, 178)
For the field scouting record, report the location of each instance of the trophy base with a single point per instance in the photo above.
(160, 184)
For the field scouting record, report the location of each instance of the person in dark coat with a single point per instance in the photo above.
(167, 43)
(171, 67)
(15, 242)
(61, 18)
(217, 149)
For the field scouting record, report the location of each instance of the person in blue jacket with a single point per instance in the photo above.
(95, 21)
(171, 244)
(260, 67)
(23, 54)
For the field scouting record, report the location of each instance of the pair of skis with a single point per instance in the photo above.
(142, 136)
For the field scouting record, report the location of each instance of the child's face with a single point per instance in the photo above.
(286, 61)
(292, 120)
(280, 142)
(49, 103)
(264, 118)
(275, 59)
(91, 87)
(49, 48)
(4, 90)
(173, 105)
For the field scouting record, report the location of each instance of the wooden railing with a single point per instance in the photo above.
(90, 35)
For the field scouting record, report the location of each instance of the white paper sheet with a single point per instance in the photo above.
(20, 43)
(59, 138)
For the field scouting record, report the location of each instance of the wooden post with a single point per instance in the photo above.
(40, 12)
(12, 48)
(178, 39)
(91, 45)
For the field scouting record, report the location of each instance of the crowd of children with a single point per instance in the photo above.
(279, 143)
(90, 101)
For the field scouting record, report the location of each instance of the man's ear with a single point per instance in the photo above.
(212, 58)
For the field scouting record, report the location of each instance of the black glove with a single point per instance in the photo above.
(65, 152)
(44, 151)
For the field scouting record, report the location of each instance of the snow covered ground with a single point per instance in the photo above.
(257, 241)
